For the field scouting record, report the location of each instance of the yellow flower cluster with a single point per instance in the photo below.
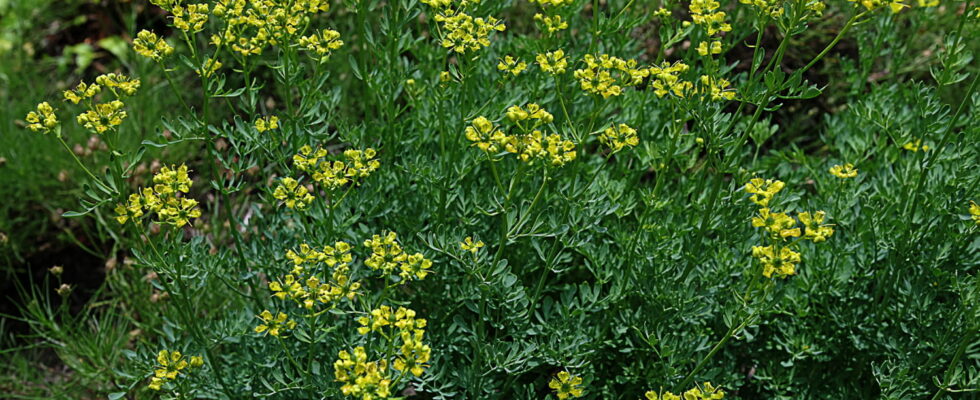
(844, 172)
(607, 75)
(292, 194)
(370, 380)
(322, 43)
(717, 88)
(305, 287)
(164, 198)
(704, 12)
(149, 45)
(251, 26)
(267, 123)
(552, 23)
(190, 18)
(709, 392)
(566, 385)
(619, 136)
(771, 8)
(779, 257)
(975, 212)
(43, 120)
(101, 117)
(894, 5)
(763, 189)
(553, 62)
(388, 256)
(274, 325)
(358, 164)
(511, 65)
(172, 364)
(530, 143)
(462, 33)
(666, 79)
(915, 146)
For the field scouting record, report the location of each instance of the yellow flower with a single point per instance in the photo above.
(975, 212)
(172, 364)
(617, 137)
(553, 3)
(553, 62)
(209, 67)
(717, 88)
(815, 230)
(103, 117)
(149, 45)
(82, 91)
(782, 262)
(125, 84)
(779, 225)
(844, 172)
(190, 18)
(566, 385)
(703, 13)
(414, 353)
(894, 5)
(267, 123)
(370, 380)
(468, 245)
(512, 65)
(43, 120)
(294, 195)
(274, 325)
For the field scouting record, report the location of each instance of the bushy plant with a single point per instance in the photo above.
(546, 199)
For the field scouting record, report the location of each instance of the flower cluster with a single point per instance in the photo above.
(189, 18)
(529, 143)
(373, 379)
(553, 62)
(102, 117)
(358, 164)
(566, 385)
(607, 75)
(915, 146)
(844, 172)
(292, 194)
(274, 325)
(552, 23)
(149, 45)
(618, 136)
(172, 364)
(717, 88)
(706, 14)
(165, 199)
(708, 392)
(388, 256)
(251, 26)
(309, 282)
(975, 212)
(778, 256)
(43, 120)
(322, 43)
(267, 123)
(460, 31)
(512, 65)
(666, 79)
(894, 5)
(369, 380)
